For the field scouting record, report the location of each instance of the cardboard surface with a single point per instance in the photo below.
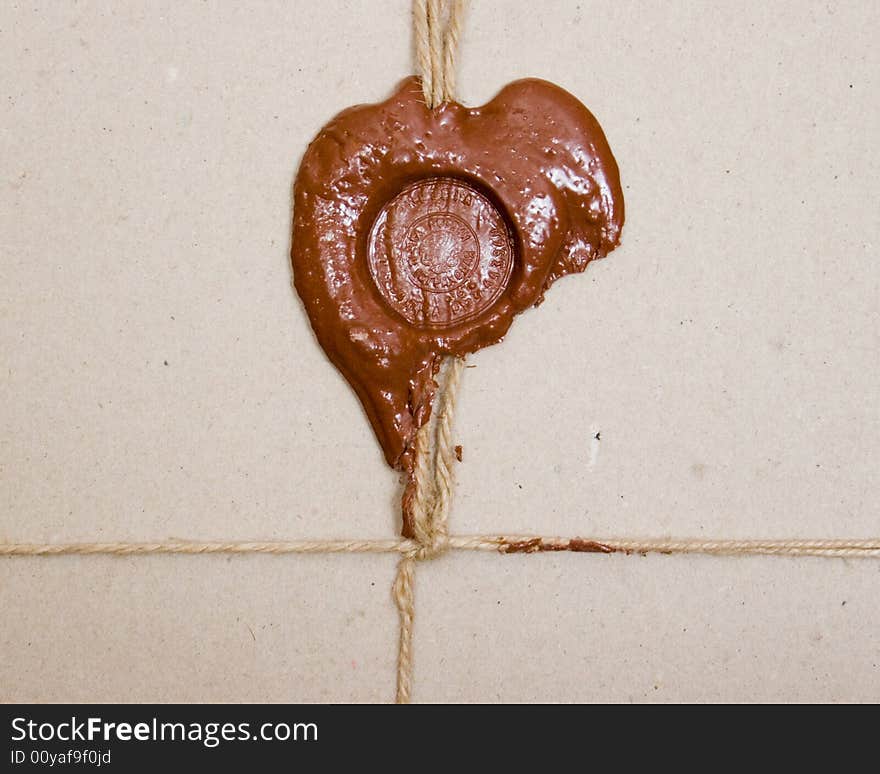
(160, 378)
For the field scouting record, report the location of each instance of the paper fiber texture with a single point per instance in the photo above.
(714, 377)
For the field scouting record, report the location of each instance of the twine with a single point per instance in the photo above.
(403, 589)
(502, 544)
(433, 480)
(437, 27)
(436, 30)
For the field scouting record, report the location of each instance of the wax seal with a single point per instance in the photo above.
(421, 233)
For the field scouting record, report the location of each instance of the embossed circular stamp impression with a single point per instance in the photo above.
(440, 253)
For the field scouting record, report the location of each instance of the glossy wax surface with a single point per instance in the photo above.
(421, 233)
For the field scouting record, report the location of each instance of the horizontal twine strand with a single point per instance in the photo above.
(504, 544)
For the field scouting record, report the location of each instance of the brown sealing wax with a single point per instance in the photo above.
(420, 233)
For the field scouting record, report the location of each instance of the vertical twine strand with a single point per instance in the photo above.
(422, 501)
(433, 474)
(421, 28)
(434, 481)
(404, 598)
(435, 53)
(450, 48)
(436, 29)
(444, 454)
